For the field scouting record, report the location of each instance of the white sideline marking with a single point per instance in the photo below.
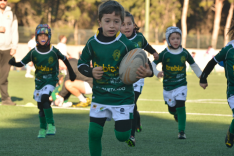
(147, 112)
(208, 101)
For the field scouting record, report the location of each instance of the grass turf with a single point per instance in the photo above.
(205, 131)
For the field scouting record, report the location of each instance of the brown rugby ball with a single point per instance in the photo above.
(129, 64)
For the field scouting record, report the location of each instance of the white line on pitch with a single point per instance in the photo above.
(147, 112)
(208, 101)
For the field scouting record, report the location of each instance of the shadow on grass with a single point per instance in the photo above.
(18, 136)
(14, 99)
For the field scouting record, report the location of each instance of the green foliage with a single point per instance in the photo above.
(13, 1)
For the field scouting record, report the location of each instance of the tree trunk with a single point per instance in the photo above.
(228, 24)
(184, 22)
(218, 11)
(173, 19)
(76, 33)
(156, 34)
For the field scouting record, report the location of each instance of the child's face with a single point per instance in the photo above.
(110, 24)
(174, 39)
(64, 40)
(42, 39)
(127, 27)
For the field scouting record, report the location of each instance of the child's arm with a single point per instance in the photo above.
(156, 72)
(152, 51)
(13, 63)
(145, 72)
(72, 75)
(209, 67)
(196, 69)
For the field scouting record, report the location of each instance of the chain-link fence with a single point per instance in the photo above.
(84, 34)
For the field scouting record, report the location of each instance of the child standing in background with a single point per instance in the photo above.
(174, 59)
(131, 31)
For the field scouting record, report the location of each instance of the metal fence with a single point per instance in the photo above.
(84, 34)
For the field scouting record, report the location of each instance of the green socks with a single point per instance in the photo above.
(95, 136)
(123, 136)
(43, 124)
(181, 113)
(49, 116)
(231, 129)
(172, 113)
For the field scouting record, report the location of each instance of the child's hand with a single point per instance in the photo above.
(143, 72)
(50, 98)
(155, 56)
(12, 61)
(97, 72)
(160, 74)
(204, 85)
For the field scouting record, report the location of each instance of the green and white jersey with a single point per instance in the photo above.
(227, 56)
(174, 68)
(109, 90)
(140, 40)
(46, 64)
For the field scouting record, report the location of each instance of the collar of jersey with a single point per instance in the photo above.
(133, 37)
(51, 47)
(170, 51)
(117, 37)
(231, 42)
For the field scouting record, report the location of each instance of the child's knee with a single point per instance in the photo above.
(123, 136)
(95, 131)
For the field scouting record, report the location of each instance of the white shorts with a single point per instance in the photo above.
(171, 96)
(231, 103)
(138, 85)
(123, 112)
(45, 90)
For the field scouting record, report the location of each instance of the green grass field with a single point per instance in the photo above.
(208, 118)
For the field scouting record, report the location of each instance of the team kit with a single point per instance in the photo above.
(112, 98)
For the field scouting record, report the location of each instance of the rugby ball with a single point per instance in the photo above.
(129, 64)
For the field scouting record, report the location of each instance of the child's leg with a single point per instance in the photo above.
(181, 113)
(135, 117)
(123, 129)
(42, 119)
(95, 135)
(47, 109)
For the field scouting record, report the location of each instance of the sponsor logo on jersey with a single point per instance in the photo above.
(168, 60)
(35, 59)
(139, 44)
(50, 60)
(107, 68)
(183, 59)
(174, 68)
(116, 54)
(43, 68)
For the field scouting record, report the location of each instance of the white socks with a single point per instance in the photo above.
(82, 98)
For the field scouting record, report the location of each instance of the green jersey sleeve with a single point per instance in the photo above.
(27, 58)
(60, 55)
(145, 43)
(159, 59)
(190, 59)
(221, 55)
(86, 56)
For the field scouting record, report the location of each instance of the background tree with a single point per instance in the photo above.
(217, 18)
(184, 22)
(228, 23)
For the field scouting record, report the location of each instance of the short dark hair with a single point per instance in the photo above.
(128, 14)
(109, 7)
(61, 37)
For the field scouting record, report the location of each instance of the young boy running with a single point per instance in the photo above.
(225, 57)
(173, 59)
(111, 97)
(131, 31)
(45, 59)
